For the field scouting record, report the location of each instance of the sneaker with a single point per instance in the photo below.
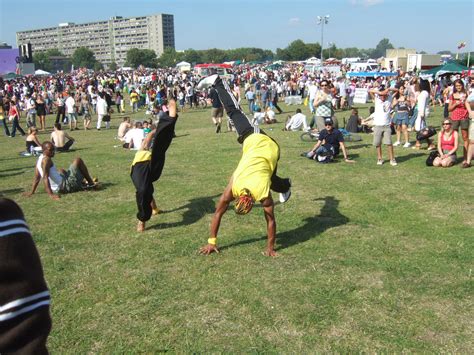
(285, 196)
(407, 145)
(380, 162)
(396, 144)
(207, 82)
(393, 162)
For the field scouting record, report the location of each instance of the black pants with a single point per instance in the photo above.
(65, 147)
(145, 173)
(275, 104)
(244, 128)
(61, 112)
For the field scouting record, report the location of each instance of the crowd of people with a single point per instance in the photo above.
(401, 105)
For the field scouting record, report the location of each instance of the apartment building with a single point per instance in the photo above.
(109, 40)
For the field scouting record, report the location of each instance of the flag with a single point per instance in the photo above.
(461, 45)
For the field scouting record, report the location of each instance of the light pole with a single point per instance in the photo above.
(322, 20)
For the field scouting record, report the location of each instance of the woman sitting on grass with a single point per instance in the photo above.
(447, 146)
(33, 144)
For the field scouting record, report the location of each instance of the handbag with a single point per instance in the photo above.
(106, 118)
(433, 155)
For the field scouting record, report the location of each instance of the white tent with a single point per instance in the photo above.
(41, 72)
(183, 66)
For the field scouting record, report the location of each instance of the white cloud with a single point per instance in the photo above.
(366, 2)
(294, 21)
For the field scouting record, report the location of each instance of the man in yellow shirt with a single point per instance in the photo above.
(134, 100)
(255, 175)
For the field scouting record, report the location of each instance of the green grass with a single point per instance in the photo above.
(371, 258)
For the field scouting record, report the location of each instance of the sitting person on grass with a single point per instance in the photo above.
(33, 145)
(57, 181)
(123, 128)
(354, 122)
(448, 141)
(330, 142)
(297, 122)
(58, 137)
(134, 137)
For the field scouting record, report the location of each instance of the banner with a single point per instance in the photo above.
(360, 96)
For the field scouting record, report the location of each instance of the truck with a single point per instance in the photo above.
(423, 61)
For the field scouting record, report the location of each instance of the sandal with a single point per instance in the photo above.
(465, 165)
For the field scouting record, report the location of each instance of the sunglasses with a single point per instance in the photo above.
(323, 85)
(446, 123)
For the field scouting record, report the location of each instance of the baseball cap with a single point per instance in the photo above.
(328, 121)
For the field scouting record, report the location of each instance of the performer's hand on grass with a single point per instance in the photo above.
(270, 252)
(208, 249)
(54, 197)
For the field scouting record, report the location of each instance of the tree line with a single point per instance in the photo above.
(296, 50)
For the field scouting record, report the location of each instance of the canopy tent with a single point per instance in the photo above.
(448, 68)
(373, 74)
(274, 66)
(11, 75)
(183, 66)
(41, 72)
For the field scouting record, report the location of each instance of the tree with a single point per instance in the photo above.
(170, 58)
(113, 66)
(381, 48)
(42, 60)
(192, 56)
(137, 57)
(83, 57)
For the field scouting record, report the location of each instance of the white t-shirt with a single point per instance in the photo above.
(382, 112)
(258, 118)
(135, 135)
(312, 90)
(70, 102)
(296, 122)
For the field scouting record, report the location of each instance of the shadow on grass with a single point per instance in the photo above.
(10, 192)
(329, 217)
(357, 146)
(181, 135)
(402, 158)
(12, 174)
(194, 210)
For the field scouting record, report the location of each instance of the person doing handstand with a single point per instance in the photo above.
(256, 173)
(148, 164)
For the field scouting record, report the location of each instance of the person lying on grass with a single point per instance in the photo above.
(148, 164)
(255, 175)
(56, 181)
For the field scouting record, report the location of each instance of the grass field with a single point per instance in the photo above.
(371, 258)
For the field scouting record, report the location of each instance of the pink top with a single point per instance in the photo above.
(447, 145)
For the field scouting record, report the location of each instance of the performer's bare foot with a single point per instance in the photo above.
(140, 226)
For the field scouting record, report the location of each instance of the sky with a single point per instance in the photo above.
(425, 25)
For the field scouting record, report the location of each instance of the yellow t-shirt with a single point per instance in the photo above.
(259, 159)
(134, 97)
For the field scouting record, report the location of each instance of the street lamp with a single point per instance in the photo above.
(322, 20)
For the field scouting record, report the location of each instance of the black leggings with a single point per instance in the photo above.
(244, 128)
(145, 173)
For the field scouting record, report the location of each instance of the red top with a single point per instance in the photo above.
(13, 111)
(460, 111)
(447, 145)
